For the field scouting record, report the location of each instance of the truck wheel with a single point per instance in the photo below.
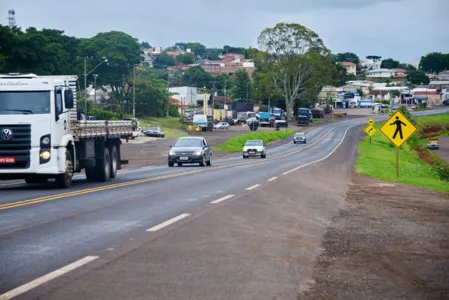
(114, 162)
(65, 180)
(103, 167)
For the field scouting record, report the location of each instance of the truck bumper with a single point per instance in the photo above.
(54, 166)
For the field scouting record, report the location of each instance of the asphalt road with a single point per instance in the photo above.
(42, 229)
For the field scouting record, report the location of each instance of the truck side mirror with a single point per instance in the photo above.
(68, 99)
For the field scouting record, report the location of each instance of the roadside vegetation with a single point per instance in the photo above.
(172, 127)
(235, 144)
(418, 165)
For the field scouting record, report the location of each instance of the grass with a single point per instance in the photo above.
(378, 160)
(170, 125)
(316, 121)
(442, 119)
(235, 144)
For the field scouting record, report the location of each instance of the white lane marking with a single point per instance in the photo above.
(321, 159)
(271, 179)
(169, 222)
(222, 199)
(253, 187)
(46, 278)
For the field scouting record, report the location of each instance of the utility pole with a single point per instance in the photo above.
(247, 87)
(85, 87)
(168, 92)
(213, 97)
(134, 91)
(95, 88)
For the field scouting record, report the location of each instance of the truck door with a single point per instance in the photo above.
(61, 118)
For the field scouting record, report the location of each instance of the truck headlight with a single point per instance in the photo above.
(45, 155)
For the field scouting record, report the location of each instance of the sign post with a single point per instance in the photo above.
(370, 130)
(398, 129)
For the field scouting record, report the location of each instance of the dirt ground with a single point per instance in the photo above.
(153, 151)
(391, 242)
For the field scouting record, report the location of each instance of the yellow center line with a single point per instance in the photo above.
(157, 178)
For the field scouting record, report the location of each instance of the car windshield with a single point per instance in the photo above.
(153, 129)
(299, 134)
(253, 143)
(189, 143)
(33, 102)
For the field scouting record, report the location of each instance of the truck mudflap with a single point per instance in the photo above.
(124, 161)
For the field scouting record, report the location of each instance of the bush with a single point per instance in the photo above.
(422, 105)
(173, 112)
(406, 112)
(443, 172)
(105, 114)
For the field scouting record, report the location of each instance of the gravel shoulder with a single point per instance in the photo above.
(390, 242)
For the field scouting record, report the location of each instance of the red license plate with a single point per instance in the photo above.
(7, 160)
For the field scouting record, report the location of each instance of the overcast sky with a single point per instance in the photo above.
(402, 29)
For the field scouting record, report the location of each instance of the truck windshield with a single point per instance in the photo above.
(33, 102)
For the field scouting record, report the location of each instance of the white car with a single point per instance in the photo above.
(299, 137)
(221, 125)
(254, 148)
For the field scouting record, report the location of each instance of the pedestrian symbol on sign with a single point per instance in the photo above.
(398, 129)
(398, 123)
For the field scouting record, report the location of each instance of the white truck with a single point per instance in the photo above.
(42, 136)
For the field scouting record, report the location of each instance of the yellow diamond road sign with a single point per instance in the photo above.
(370, 130)
(398, 129)
(371, 122)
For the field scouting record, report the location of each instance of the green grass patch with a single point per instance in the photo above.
(235, 144)
(434, 120)
(316, 121)
(170, 125)
(378, 160)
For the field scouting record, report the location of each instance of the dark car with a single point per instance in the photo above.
(154, 131)
(190, 150)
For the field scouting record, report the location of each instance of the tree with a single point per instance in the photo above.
(213, 53)
(197, 48)
(187, 58)
(197, 77)
(389, 63)
(163, 60)
(347, 56)
(434, 62)
(145, 45)
(292, 49)
(374, 57)
(406, 67)
(122, 54)
(417, 77)
(241, 85)
(238, 50)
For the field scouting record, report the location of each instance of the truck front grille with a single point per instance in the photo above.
(15, 141)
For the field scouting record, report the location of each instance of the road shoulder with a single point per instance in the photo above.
(389, 242)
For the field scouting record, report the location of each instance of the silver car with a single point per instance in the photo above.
(299, 137)
(254, 148)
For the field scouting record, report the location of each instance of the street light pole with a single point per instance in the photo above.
(134, 91)
(168, 93)
(95, 88)
(247, 86)
(85, 87)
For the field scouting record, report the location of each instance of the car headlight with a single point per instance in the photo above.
(198, 153)
(45, 155)
(171, 153)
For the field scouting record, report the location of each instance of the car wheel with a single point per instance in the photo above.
(179, 164)
(294, 142)
(263, 156)
(203, 162)
(170, 164)
(209, 162)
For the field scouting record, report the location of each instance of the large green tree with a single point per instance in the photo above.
(347, 56)
(241, 85)
(435, 62)
(163, 60)
(187, 58)
(389, 63)
(417, 77)
(292, 50)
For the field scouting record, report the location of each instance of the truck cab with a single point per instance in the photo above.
(41, 136)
